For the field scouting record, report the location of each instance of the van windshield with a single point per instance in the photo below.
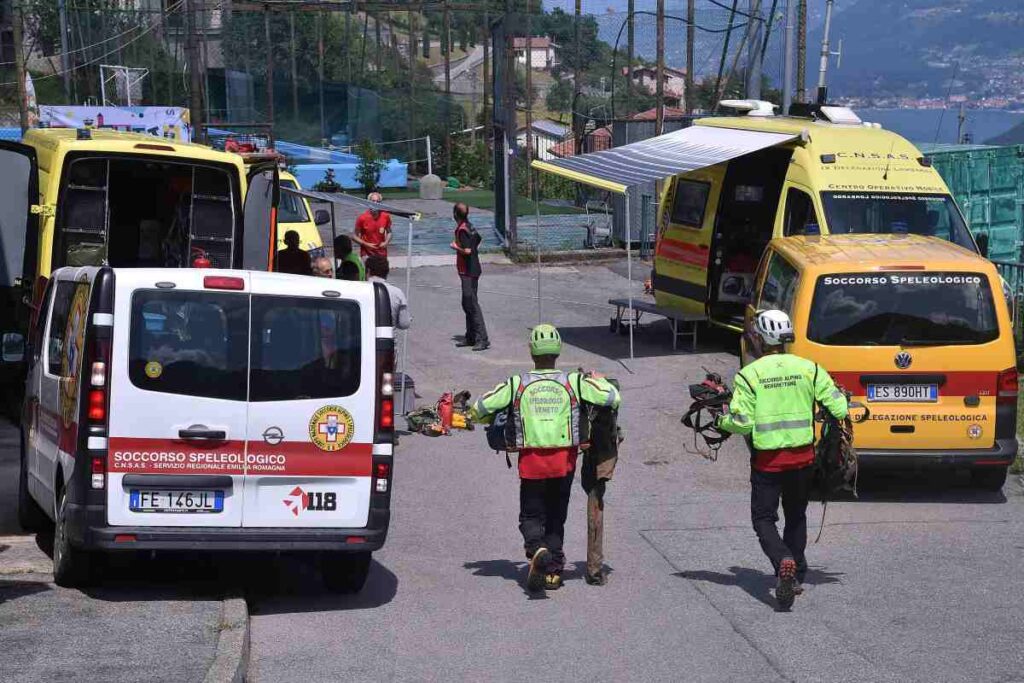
(292, 209)
(892, 213)
(902, 309)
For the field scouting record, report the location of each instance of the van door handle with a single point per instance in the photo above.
(200, 432)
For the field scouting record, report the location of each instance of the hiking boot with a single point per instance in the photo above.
(482, 346)
(535, 580)
(553, 582)
(785, 589)
(598, 579)
(798, 588)
(461, 343)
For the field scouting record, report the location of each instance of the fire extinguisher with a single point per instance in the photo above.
(445, 408)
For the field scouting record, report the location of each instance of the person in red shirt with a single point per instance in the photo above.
(373, 230)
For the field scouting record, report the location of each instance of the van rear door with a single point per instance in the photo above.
(178, 398)
(312, 397)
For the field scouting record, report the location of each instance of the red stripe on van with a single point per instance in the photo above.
(958, 383)
(684, 252)
(305, 458)
(173, 456)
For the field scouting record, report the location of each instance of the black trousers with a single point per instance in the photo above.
(543, 506)
(793, 487)
(476, 331)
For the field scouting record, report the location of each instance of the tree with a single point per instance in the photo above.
(328, 183)
(559, 96)
(370, 166)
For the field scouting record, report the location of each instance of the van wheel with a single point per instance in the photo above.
(30, 516)
(71, 565)
(345, 572)
(989, 478)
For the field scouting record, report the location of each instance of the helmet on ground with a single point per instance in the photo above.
(774, 326)
(545, 341)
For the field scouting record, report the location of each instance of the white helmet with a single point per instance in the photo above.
(774, 326)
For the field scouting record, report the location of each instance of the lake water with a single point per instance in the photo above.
(921, 125)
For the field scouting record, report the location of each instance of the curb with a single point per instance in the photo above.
(231, 661)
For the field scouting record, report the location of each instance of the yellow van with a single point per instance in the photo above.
(294, 213)
(916, 328)
(102, 197)
(835, 175)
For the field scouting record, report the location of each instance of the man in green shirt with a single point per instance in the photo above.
(773, 406)
(545, 410)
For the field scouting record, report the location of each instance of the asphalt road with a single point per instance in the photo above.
(915, 581)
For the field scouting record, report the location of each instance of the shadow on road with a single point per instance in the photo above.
(649, 341)
(12, 590)
(293, 585)
(756, 583)
(923, 486)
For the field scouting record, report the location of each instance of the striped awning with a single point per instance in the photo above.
(661, 157)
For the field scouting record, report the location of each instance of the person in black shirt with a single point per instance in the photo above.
(292, 259)
(467, 263)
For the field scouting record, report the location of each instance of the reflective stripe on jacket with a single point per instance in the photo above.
(773, 401)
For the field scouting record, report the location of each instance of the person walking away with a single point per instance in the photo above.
(773, 405)
(377, 269)
(347, 264)
(544, 407)
(373, 229)
(293, 259)
(467, 261)
(322, 267)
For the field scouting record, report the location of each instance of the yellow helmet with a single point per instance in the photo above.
(545, 340)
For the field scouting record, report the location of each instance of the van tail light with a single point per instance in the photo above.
(99, 472)
(223, 282)
(381, 477)
(96, 408)
(386, 390)
(1007, 386)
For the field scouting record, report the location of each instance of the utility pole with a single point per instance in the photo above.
(754, 27)
(801, 51)
(630, 52)
(65, 56)
(787, 71)
(690, 37)
(659, 121)
(413, 45)
(529, 101)
(195, 77)
(295, 70)
(270, 65)
(447, 48)
(320, 75)
(17, 20)
(488, 116)
(823, 64)
(576, 73)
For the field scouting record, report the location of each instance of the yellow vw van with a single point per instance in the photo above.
(834, 175)
(917, 328)
(294, 213)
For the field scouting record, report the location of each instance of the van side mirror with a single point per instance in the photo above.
(982, 240)
(12, 347)
(321, 217)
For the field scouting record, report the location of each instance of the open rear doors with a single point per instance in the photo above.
(262, 197)
(19, 243)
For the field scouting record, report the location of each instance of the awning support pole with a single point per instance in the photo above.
(536, 204)
(408, 295)
(629, 272)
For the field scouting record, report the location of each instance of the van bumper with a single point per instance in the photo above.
(1002, 454)
(88, 529)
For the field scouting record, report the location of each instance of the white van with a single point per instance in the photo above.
(207, 409)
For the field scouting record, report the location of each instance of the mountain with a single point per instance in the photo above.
(1014, 136)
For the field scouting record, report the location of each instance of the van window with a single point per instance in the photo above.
(292, 209)
(192, 343)
(689, 203)
(902, 308)
(801, 218)
(891, 213)
(779, 289)
(304, 348)
(67, 329)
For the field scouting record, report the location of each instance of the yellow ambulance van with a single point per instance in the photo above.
(835, 175)
(917, 329)
(294, 213)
